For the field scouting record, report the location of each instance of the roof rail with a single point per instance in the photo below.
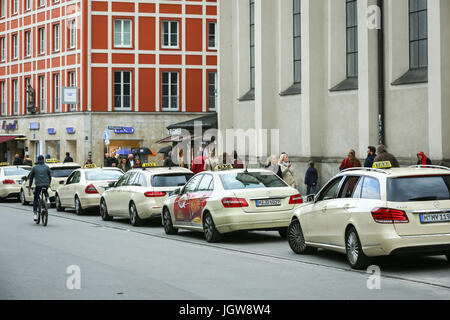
(367, 169)
(419, 166)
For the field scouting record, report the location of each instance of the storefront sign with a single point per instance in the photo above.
(121, 130)
(174, 132)
(51, 131)
(70, 130)
(70, 95)
(34, 125)
(10, 126)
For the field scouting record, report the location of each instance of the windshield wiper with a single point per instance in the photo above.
(423, 198)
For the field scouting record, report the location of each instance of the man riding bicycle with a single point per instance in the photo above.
(42, 176)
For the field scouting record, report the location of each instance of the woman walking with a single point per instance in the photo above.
(350, 162)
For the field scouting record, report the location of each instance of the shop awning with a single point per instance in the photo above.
(170, 139)
(208, 122)
(7, 138)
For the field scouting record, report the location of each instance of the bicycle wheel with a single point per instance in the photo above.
(44, 211)
(39, 212)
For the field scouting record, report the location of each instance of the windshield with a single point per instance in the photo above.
(424, 188)
(99, 175)
(251, 180)
(173, 180)
(16, 171)
(62, 172)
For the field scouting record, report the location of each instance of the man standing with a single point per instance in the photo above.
(18, 161)
(68, 158)
(371, 154)
(383, 155)
(311, 178)
(131, 160)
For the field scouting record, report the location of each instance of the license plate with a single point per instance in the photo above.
(268, 203)
(20, 181)
(170, 194)
(106, 189)
(435, 217)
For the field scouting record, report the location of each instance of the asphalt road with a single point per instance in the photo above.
(118, 261)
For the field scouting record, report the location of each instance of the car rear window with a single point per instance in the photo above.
(423, 188)
(16, 172)
(99, 175)
(62, 172)
(171, 180)
(251, 180)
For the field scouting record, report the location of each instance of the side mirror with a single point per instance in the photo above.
(176, 191)
(310, 198)
(112, 184)
(62, 182)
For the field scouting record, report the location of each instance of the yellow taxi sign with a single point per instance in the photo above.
(221, 167)
(149, 165)
(4, 164)
(382, 165)
(51, 161)
(89, 166)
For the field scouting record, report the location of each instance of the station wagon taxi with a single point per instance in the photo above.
(11, 179)
(83, 188)
(59, 172)
(228, 200)
(140, 193)
(369, 212)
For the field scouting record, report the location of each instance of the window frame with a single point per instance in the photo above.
(354, 29)
(15, 96)
(56, 37)
(56, 92)
(3, 97)
(42, 104)
(28, 44)
(294, 37)
(122, 72)
(214, 35)
(170, 32)
(416, 13)
(169, 96)
(15, 46)
(121, 44)
(252, 45)
(72, 34)
(210, 96)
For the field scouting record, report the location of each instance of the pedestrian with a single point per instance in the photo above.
(88, 161)
(131, 160)
(137, 164)
(311, 178)
(68, 158)
(27, 161)
(237, 163)
(272, 165)
(350, 162)
(211, 162)
(18, 161)
(371, 154)
(124, 165)
(287, 171)
(198, 163)
(168, 162)
(48, 157)
(383, 155)
(422, 159)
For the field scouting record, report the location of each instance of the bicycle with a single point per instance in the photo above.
(42, 208)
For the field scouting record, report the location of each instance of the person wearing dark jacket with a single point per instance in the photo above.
(383, 155)
(42, 178)
(422, 159)
(311, 178)
(371, 154)
(68, 158)
(17, 160)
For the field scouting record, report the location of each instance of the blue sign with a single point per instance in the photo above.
(124, 130)
(34, 125)
(70, 130)
(51, 131)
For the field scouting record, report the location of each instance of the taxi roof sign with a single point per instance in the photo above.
(51, 160)
(222, 167)
(149, 165)
(4, 164)
(90, 166)
(382, 165)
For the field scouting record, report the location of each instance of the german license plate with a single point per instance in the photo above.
(268, 202)
(20, 181)
(435, 217)
(106, 189)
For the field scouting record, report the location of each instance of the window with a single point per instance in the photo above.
(122, 90)
(15, 6)
(73, 84)
(192, 184)
(170, 180)
(42, 40)
(3, 96)
(41, 3)
(56, 37)
(14, 46)
(252, 44)
(371, 189)
(27, 83)
(297, 42)
(170, 34)
(122, 33)
(28, 43)
(212, 90)
(56, 92)
(3, 8)
(418, 34)
(206, 184)
(349, 187)
(27, 4)
(330, 191)
(42, 93)
(418, 188)
(72, 34)
(15, 96)
(352, 38)
(170, 90)
(3, 48)
(212, 35)
(251, 180)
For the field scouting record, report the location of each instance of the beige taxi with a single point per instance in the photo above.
(224, 201)
(83, 188)
(365, 213)
(11, 180)
(140, 193)
(59, 172)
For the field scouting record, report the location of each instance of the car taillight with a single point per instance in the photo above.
(296, 199)
(90, 189)
(154, 194)
(386, 215)
(234, 202)
(7, 181)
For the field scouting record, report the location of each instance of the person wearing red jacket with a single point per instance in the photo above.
(350, 162)
(422, 159)
(198, 164)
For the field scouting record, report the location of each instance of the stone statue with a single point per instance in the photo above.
(31, 105)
